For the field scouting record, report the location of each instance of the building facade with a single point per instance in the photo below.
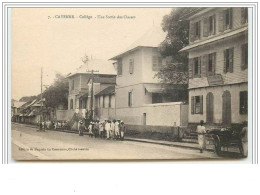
(138, 90)
(81, 98)
(105, 103)
(16, 109)
(218, 66)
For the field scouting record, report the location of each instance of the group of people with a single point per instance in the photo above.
(109, 129)
(53, 124)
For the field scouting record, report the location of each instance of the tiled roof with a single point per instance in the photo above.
(152, 38)
(102, 66)
(107, 91)
(18, 104)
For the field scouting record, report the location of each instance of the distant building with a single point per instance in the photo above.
(15, 110)
(218, 65)
(32, 112)
(140, 97)
(80, 92)
(105, 104)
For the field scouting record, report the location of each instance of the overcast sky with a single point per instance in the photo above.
(40, 38)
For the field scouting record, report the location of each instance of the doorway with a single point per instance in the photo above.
(209, 108)
(226, 108)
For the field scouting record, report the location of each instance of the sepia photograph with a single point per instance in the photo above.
(133, 83)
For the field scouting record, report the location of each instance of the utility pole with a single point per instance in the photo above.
(92, 93)
(41, 116)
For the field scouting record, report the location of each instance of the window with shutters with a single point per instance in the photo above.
(243, 102)
(228, 14)
(228, 60)
(197, 104)
(98, 101)
(209, 26)
(71, 103)
(109, 101)
(212, 24)
(103, 102)
(130, 98)
(157, 63)
(244, 15)
(119, 67)
(211, 64)
(197, 30)
(244, 57)
(197, 67)
(131, 66)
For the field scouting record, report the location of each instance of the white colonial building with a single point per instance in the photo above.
(218, 65)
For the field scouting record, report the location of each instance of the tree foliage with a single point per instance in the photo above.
(175, 71)
(57, 93)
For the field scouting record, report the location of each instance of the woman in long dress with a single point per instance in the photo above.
(201, 130)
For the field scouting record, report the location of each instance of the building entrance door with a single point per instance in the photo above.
(209, 108)
(226, 108)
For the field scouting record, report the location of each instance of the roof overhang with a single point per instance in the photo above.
(129, 51)
(215, 39)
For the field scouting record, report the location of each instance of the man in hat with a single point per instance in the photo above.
(122, 130)
(201, 130)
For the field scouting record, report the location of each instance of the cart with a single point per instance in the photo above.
(225, 137)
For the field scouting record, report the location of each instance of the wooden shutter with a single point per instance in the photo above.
(199, 26)
(231, 59)
(154, 61)
(129, 94)
(221, 21)
(191, 65)
(214, 25)
(214, 59)
(131, 66)
(119, 67)
(231, 18)
(243, 57)
(204, 66)
(243, 14)
(201, 104)
(199, 66)
(192, 32)
(206, 27)
(192, 104)
(225, 61)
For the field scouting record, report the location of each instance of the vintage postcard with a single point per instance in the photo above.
(129, 83)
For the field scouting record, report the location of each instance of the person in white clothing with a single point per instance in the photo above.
(116, 129)
(90, 127)
(244, 139)
(112, 129)
(101, 129)
(201, 130)
(107, 128)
